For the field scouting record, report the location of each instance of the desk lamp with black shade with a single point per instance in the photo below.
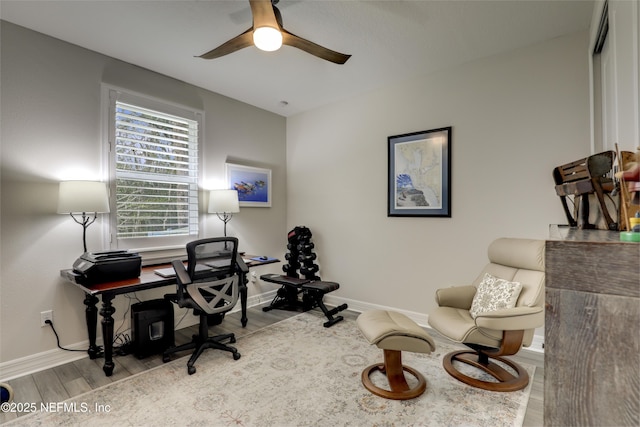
(83, 200)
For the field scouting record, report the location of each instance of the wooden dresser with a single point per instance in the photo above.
(592, 329)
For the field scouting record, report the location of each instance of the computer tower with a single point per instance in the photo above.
(151, 327)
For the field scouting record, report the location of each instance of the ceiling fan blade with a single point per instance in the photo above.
(263, 14)
(240, 42)
(314, 49)
(266, 14)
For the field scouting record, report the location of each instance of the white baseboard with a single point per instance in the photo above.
(421, 319)
(41, 361)
(51, 358)
(537, 345)
(259, 299)
(359, 306)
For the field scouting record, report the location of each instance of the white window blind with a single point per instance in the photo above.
(156, 173)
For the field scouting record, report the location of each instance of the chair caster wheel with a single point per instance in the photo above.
(191, 370)
(236, 356)
(165, 359)
(232, 340)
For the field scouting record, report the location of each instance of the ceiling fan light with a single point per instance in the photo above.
(267, 38)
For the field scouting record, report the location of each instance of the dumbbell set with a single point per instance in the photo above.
(301, 256)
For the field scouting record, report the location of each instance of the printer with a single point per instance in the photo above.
(107, 266)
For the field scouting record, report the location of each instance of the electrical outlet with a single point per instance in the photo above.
(44, 316)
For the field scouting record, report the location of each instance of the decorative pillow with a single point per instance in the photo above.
(494, 294)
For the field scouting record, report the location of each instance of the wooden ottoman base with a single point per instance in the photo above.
(506, 380)
(393, 369)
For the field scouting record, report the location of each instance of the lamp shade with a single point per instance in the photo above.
(83, 196)
(267, 38)
(223, 201)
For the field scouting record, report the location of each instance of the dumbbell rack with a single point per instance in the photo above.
(302, 293)
(301, 256)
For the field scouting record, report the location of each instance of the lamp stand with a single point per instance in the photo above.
(225, 217)
(85, 223)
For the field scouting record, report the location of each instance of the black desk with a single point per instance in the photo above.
(148, 279)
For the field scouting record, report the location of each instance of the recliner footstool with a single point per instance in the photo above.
(394, 333)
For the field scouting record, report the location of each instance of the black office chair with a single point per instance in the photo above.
(210, 286)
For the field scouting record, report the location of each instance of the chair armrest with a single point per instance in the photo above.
(182, 279)
(242, 266)
(512, 319)
(181, 273)
(456, 296)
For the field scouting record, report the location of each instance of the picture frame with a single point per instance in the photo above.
(253, 184)
(419, 174)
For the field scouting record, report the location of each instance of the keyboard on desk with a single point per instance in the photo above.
(284, 280)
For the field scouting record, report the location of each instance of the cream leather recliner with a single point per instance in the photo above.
(496, 315)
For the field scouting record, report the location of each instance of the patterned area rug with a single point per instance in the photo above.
(292, 373)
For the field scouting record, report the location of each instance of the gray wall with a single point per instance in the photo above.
(515, 117)
(51, 131)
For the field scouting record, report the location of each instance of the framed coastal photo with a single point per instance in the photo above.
(419, 181)
(253, 185)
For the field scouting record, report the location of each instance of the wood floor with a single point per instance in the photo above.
(74, 378)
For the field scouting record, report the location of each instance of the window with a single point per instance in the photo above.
(153, 163)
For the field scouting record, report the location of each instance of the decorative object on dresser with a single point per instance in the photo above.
(629, 176)
(576, 180)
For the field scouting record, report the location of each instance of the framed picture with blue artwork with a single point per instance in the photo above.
(253, 184)
(419, 181)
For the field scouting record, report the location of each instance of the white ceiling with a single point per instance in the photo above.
(389, 40)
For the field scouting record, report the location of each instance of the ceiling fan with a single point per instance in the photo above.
(267, 33)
